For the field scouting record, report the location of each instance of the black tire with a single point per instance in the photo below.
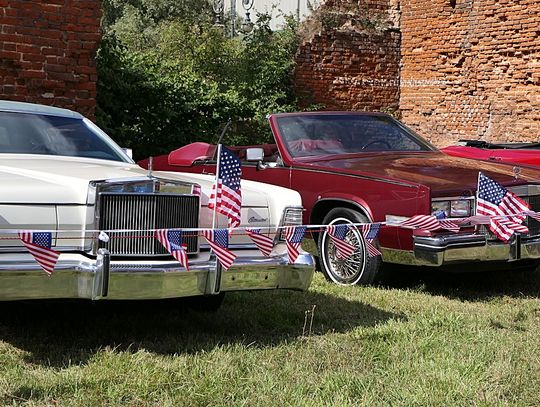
(357, 269)
(206, 303)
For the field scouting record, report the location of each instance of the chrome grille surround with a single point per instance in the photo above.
(140, 213)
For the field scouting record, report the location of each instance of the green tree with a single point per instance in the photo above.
(168, 78)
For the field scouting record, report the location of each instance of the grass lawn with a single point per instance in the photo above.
(424, 339)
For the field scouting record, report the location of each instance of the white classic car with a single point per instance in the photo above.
(60, 173)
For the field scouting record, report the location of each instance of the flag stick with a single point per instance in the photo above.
(214, 216)
(477, 189)
(217, 279)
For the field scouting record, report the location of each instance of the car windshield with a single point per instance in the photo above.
(316, 135)
(26, 133)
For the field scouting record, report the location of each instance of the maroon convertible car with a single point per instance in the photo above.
(368, 167)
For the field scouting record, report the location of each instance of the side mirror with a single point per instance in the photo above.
(254, 154)
(128, 152)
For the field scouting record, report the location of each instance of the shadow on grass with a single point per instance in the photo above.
(57, 334)
(467, 285)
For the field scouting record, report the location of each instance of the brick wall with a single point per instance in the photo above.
(471, 69)
(47, 52)
(353, 65)
(347, 70)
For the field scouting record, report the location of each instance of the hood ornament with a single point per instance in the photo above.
(517, 172)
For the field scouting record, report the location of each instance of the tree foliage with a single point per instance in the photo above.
(168, 77)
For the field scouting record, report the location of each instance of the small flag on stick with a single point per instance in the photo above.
(226, 197)
(492, 200)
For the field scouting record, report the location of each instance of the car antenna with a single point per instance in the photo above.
(227, 125)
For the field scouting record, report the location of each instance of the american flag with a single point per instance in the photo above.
(218, 239)
(534, 215)
(226, 197)
(39, 245)
(370, 231)
(293, 238)
(263, 242)
(171, 239)
(338, 233)
(447, 224)
(496, 201)
(426, 222)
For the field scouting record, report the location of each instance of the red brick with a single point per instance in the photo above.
(49, 48)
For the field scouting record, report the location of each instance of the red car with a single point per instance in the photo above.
(368, 167)
(517, 153)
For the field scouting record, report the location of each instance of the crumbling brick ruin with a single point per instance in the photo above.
(465, 68)
(47, 52)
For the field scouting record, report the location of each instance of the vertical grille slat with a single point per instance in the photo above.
(144, 212)
(533, 224)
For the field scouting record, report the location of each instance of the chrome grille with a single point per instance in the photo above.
(533, 224)
(144, 212)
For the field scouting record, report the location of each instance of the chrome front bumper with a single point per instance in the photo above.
(463, 248)
(77, 276)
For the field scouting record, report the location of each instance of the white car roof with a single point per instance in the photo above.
(21, 107)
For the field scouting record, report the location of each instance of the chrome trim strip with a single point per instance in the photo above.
(456, 249)
(387, 181)
(455, 198)
(79, 277)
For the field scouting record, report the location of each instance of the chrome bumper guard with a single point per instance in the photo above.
(464, 248)
(77, 276)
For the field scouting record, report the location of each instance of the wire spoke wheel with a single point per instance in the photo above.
(345, 270)
(358, 268)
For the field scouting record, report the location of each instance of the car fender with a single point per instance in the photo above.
(349, 200)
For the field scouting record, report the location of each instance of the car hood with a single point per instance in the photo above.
(35, 179)
(443, 174)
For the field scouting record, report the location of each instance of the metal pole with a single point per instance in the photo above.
(215, 284)
(298, 11)
(233, 18)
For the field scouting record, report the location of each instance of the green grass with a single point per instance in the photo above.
(423, 339)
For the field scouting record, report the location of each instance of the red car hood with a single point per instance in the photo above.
(442, 173)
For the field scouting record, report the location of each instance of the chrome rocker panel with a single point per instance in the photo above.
(77, 276)
(464, 248)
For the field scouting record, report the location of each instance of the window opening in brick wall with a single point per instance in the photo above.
(453, 3)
